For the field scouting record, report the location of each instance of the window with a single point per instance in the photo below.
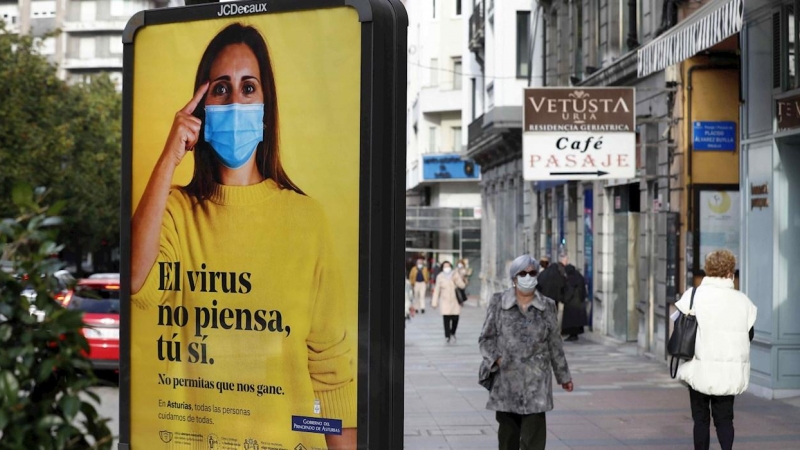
(115, 45)
(43, 9)
(457, 74)
(474, 97)
(577, 34)
(523, 43)
(434, 72)
(86, 48)
(88, 11)
(791, 48)
(117, 8)
(46, 46)
(457, 139)
(432, 140)
(458, 7)
(785, 39)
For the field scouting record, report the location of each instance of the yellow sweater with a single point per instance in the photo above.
(271, 313)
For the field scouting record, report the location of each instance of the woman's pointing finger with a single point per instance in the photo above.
(201, 91)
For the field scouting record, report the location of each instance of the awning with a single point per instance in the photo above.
(709, 25)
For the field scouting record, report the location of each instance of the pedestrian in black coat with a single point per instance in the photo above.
(552, 283)
(574, 304)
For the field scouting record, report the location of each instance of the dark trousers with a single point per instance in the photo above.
(521, 432)
(450, 325)
(721, 409)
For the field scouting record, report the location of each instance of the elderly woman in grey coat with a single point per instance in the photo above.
(521, 341)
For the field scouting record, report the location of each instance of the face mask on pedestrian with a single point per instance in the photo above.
(527, 284)
(460, 266)
(234, 131)
(419, 266)
(447, 269)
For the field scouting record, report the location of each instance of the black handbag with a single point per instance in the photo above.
(461, 295)
(681, 342)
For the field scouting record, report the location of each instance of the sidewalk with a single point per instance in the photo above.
(621, 400)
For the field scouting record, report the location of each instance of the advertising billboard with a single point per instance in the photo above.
(719, 223)
(245, 163)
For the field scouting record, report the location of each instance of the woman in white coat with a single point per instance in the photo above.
(445, 293)
(721, 365)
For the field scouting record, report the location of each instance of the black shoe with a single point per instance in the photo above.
(423, 311)
(572, 338)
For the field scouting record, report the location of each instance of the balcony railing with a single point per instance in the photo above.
(475, 130)
(426, 218)
(94, 26)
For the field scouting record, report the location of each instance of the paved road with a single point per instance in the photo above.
(621, 400)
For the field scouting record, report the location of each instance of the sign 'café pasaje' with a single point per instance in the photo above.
(578, 133)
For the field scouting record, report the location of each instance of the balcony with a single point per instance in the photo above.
(495, 136)
(92, 63)
(94, 26)
(477, 30)
(426, 218)
(434, 100)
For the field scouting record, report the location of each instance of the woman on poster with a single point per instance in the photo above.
(242, 237)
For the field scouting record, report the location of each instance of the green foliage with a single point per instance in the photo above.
(67, 138)
(44, 376)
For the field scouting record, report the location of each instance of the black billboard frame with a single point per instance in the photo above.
(381, 335)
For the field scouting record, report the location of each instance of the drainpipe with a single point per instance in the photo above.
(690, 146)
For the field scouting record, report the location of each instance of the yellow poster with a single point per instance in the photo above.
(244, 235)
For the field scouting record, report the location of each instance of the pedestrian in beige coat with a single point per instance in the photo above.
(445, 291)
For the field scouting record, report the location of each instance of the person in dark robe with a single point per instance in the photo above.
(574, 304)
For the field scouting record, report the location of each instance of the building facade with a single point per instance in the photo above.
(715, 167)
(770, 194)
(616, 231)
(442, 190)
(499, 56)
(91, 31)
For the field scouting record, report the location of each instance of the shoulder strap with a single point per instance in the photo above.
(691, 301)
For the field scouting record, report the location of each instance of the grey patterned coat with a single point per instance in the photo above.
(529, 343)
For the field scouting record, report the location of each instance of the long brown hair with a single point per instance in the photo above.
(268, 160)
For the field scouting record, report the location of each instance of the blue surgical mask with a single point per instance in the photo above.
(234, 131)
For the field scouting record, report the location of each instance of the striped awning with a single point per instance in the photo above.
(706, 27)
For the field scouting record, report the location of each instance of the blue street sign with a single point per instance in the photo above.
(716, 136)
(449, 167)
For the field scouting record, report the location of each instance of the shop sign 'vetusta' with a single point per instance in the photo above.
(579, 133)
